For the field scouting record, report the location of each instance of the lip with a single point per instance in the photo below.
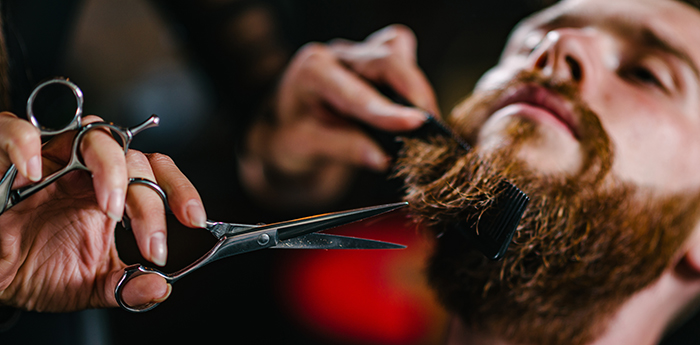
(540, 103)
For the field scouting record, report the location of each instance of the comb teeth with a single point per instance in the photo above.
(493, 231)
(490, 233)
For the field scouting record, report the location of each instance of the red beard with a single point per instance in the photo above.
(586, 243)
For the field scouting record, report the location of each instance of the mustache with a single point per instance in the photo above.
(470, 115)
(445, 184)
(561, 278)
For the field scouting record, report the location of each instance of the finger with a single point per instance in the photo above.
(410, 82)
(20, 144)
(320, 78)
(139, 291)
(104, 157)
(146, 289)
(342, 42)
(146, 211)
(389, 57)
(183, 198)
(297, 149)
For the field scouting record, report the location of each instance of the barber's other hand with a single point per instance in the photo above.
(57, 249)
(312, 146)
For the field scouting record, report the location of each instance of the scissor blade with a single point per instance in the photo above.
(303, 226)
(328, 241)
(221, 229)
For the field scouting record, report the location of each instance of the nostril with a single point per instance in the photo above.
(541, 61)
(574, 67)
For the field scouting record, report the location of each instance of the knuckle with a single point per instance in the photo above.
(8, 114)
(402, 31)
(159, 158)
(307, 67)
(399, 38)
(136, 157)
(91, 119)
(313, 53)
(23, 134)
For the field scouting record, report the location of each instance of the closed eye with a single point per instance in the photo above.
(645, 76)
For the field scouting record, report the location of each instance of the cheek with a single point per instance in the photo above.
(653, 146)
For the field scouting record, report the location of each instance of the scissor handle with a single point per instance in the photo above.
(125, 134)
(137, 270)
(126, 222)
(10, 197)
(77, 118)
(131, 272)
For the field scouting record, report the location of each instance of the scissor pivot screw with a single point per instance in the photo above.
(263, 239)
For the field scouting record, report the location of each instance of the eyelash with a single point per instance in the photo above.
(644, 75)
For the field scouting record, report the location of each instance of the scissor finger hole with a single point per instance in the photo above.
(188, 244)
(55, 106)
(144, 291)
(146, 207)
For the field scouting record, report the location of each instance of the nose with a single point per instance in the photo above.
(565, 55)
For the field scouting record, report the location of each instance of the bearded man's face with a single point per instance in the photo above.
(600, 138)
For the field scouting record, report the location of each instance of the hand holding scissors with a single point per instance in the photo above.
(9, 197)
(57, 245)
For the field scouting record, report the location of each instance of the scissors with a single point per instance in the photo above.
(234, 239)
(10, 197)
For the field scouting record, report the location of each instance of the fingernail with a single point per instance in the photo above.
(165, 296)
(376, 160)
(115, 205)
(195, 211)
(409, 117)
(159, 249)
(415, 117)
(34, 168)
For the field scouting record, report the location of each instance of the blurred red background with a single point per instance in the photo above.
(364, 296)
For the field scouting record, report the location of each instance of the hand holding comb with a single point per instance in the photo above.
(496, 224)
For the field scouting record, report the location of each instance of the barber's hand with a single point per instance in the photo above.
(313, 142)
(57, 248)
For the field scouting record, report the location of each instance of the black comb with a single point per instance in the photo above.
(493, 230)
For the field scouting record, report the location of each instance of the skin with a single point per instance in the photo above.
(69, 262)
(646, 95)
(312, 141)
(647, 98)
(57, 250)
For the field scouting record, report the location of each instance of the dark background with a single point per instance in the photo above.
(133, 58)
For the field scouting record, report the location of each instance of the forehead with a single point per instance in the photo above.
(675, 23)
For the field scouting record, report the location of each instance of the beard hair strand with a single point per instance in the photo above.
(586, 242)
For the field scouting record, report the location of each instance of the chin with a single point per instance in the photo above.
(543, 147)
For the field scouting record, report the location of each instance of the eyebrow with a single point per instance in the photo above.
(643, 34)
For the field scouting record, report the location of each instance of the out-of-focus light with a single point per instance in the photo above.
(365, 296)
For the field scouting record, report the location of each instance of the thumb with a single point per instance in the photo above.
(141, 290)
